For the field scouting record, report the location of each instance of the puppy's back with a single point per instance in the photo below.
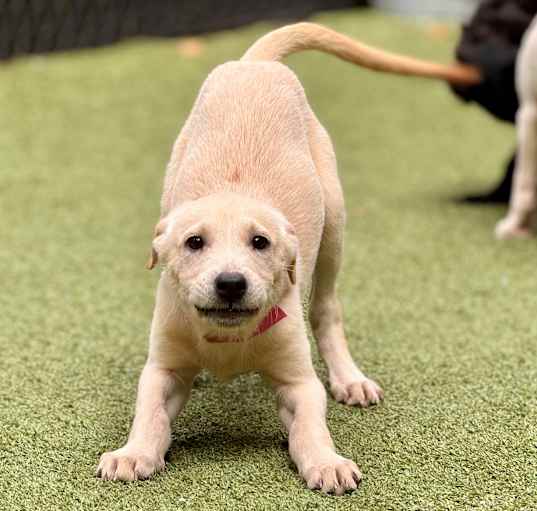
(247, 133)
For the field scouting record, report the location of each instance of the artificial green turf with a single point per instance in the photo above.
(436, 310)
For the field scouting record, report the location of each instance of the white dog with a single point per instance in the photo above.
(521, 217)
(251, 228)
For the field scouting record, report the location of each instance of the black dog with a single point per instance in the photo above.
(490, 41)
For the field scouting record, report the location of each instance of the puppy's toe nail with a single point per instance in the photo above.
(330, 484)
(313, 479)
(315, 484)
(339, 392)
(373, 392)
(349, 485)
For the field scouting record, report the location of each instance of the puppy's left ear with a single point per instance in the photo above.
(159, 231)
(291, 252)
(291, 271)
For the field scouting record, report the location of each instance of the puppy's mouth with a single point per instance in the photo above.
(229, 316)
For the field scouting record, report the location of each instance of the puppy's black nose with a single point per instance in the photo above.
(230, 286)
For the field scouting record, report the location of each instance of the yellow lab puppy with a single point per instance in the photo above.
(251, 228)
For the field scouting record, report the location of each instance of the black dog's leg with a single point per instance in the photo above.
(499, 194)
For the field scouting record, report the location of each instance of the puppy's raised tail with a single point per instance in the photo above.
(282, 42)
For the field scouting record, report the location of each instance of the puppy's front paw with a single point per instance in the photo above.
(509, 228)
(337, 476)
(363, 392)
(126, 465)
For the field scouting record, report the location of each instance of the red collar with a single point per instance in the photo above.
(274, 315)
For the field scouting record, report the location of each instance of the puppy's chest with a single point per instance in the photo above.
(227, 360)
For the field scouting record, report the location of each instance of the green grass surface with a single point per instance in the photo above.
(436, 310)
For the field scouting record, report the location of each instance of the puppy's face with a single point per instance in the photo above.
(231, 258)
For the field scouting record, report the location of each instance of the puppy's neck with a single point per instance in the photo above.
(274, 315)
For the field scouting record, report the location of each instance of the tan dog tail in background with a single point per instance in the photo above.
(279, 43)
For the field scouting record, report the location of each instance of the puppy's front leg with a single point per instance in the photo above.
(302, 408)
(162, 393)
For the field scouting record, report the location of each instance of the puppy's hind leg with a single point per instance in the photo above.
(520, 220)
(347, 383)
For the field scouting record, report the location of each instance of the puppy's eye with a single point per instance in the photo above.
(260, 242)
(195, 243)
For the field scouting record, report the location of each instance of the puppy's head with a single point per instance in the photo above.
(231, 259)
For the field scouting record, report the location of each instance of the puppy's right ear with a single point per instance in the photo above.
(159, 231)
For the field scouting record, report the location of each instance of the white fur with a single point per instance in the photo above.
(521, 217)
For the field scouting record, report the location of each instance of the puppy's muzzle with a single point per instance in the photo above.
(230, 288)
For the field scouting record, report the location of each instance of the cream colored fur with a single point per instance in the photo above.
(521, 217)
(252, 158)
